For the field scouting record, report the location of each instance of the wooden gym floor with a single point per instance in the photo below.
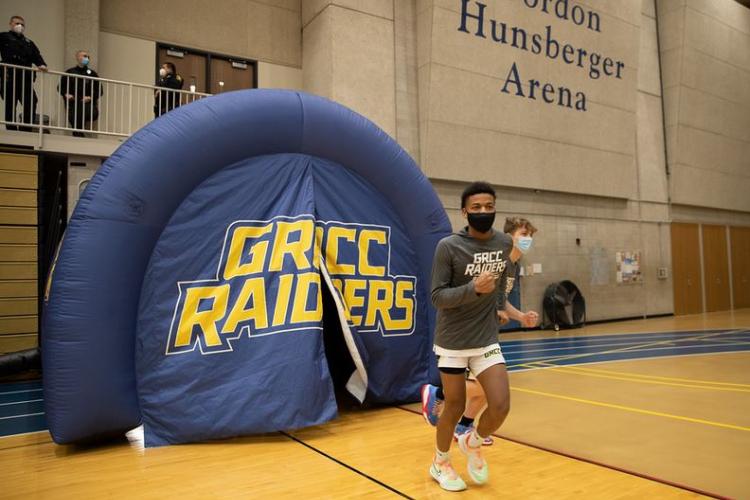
(655, 408)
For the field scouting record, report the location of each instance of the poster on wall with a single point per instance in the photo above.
(600, 266)
(629, 267)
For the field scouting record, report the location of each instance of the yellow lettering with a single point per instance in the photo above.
(252, 288)
(318, 247)
(332, 250)
(207, 319)
(234, 266)
(282, 299)
(365, 237)
(405, 303)
(376, 303)
(352, 300)
(300, 313)
(296, 249)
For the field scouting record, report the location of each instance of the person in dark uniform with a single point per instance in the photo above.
(18, 84)
(81, 95)
(167, 100)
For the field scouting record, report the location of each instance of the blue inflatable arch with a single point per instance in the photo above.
(125, 241)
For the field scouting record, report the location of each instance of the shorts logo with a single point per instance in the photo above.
(494, 352)
(269, 282)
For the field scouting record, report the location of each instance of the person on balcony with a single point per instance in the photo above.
(167, 100)
(81, 95)
(16, 84)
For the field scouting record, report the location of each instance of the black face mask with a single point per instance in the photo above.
(481, 222)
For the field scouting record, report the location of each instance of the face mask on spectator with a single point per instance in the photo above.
(162, 72)
(18, 28)
(85, 61)
(524, 243)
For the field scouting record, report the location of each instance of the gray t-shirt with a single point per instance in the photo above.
(465, 319)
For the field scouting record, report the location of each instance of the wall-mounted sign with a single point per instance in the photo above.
(544, 44)
(629, 267)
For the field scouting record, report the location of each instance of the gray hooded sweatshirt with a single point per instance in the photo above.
(465, 319)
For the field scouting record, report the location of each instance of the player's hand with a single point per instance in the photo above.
(503, 317)
(485, 282)
(530, 319)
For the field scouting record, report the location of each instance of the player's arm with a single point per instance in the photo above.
(527, 319)
(502, 297)
(506, 310)
(443, 295)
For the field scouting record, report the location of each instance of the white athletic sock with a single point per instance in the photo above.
(475, 440)
(442, 456)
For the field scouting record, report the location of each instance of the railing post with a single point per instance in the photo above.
(40, 108)
(64, 115)
(130, 109)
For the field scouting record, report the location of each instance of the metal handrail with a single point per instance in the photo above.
(100, 79)
(119, 109)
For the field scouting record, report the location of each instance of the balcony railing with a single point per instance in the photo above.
(46, 101)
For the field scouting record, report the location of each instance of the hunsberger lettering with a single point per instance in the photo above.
(269, 281)
(473, 20)
(492, 262)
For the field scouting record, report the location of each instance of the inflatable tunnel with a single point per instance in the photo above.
(215, 257)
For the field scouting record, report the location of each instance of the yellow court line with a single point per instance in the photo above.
(644, 376)
(621, 349)
(585, 373)
(633, 410)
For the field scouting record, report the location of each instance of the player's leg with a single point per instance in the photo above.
(494, 380)
(475, 399)
(454, 388)
(490, 370)
(475, 402)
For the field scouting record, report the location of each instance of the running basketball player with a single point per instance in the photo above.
(522, 232)
(469, 279)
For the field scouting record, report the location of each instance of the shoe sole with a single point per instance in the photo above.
(466, 454)
(435, 477)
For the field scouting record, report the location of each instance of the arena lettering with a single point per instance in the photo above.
(269, 282)
(474, 21)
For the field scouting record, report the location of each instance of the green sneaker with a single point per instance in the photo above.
(475, 464)
(446, 476)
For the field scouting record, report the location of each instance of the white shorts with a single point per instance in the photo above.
(474, 360)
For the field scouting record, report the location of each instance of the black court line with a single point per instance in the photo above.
(597, 463)
(353, 469)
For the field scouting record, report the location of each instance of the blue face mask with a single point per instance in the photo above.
(524, 243)
(85, 61)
